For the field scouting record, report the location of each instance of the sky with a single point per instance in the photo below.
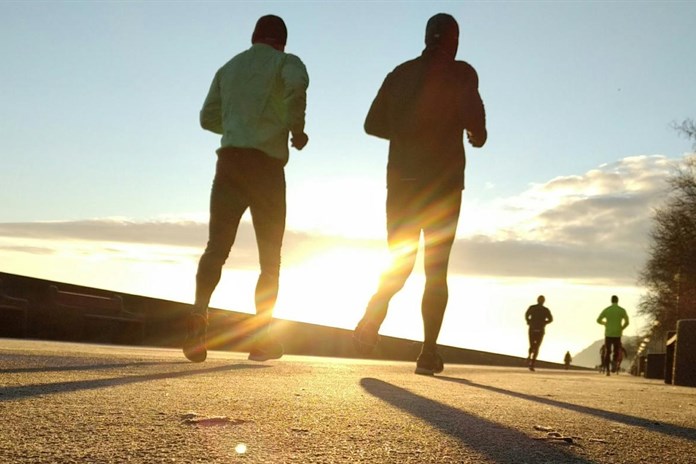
(106, 172)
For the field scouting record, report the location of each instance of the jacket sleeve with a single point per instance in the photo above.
(475, 123)
(295, 80)
(601, 317)
(211, 113)
(377, 120)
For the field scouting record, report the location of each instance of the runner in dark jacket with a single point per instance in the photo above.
(423, 108)
(537, 316)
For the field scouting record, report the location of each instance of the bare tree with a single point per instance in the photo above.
(669, 274)
(687, 128)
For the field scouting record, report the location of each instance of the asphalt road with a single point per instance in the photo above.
(79, 403)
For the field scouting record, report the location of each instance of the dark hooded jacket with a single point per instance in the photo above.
(423, 108)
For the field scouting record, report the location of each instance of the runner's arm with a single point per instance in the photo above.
(211, 113)
(377, 120)
(296, 80)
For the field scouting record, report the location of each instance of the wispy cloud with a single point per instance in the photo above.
(27, 249)
(175, 233)
(585, 209)
(118, 238)
(589, 226)
(518, 258)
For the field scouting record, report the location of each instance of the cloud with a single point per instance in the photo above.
(590, 226)
(175, 233)
(527, 259)
(593, 226)
(609, 206)
(134, 240)
(27, 249)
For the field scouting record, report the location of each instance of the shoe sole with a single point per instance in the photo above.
(258, 358)
(424, 371)
(261, 355)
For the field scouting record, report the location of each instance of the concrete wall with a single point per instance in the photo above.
(165, 327)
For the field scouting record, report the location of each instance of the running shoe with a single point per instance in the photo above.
(429, 363)
(194, 346)
(266, 351)
(365, 336)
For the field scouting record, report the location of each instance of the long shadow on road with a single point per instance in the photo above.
(78, 367)
(652, 426)
(497, 442)
(24, 391)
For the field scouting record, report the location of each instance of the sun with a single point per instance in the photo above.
(330, 287)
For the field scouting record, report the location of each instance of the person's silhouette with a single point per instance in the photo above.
(255, 101)
(537, 317)
(614, 318)
(423, 108)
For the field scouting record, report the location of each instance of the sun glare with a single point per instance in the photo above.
(330, 287)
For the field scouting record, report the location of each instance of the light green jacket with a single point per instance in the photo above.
(256, 99)
(612, 317)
